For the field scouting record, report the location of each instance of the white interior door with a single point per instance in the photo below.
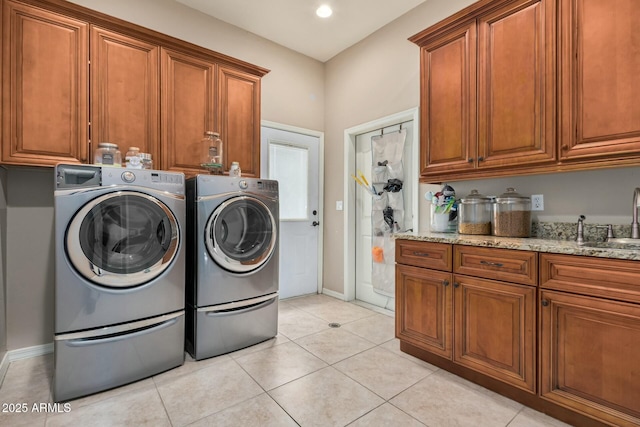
(293, 160)
(365, 290)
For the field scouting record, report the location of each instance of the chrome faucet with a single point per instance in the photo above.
(580, 232)
(635, 232)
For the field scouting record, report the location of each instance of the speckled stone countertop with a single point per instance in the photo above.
(524, 244)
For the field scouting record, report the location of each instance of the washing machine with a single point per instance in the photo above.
(119, 276)
(232, 263)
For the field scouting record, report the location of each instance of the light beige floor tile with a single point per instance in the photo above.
(334, 344)
(385, 416)
(29, 371)
(94, 398)
(394, 346)
(378, 328)
(277, 340)
(196, 395)
(383, 372)
(311, 300)
(279, 365)
(339, 312)
(136, 408)
(531, 418)
(297, 323)
(259, 411)
(190, 365)
(22, 390)
(325, 398)
(443, 400)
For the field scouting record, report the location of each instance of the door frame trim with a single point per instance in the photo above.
(320, 136)
(349, 194)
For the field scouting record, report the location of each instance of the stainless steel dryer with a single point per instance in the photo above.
(119, 282)
(232, 263)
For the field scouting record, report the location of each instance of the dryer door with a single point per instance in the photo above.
(241, 234)
(122, 239)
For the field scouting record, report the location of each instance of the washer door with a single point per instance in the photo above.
(122, 239)
(241, 234)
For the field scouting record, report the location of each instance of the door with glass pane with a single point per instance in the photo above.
(292, 159)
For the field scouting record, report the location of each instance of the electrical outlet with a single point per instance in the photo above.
(537, 202)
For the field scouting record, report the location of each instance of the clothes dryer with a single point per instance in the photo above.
(119, 282)
(232, 268)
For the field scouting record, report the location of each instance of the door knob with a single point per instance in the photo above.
(315, 223)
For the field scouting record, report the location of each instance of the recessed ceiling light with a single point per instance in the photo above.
(324, 11)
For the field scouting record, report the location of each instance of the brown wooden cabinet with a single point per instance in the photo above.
(590, 336)
(509, 51)
(45, 87)
(239, 119)
(599, 90)
(485, 325)
(73, 78)
(125, 92)
(188, 110)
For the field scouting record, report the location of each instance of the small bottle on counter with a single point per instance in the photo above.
(147, 162)
(132, 159)
(234, 170)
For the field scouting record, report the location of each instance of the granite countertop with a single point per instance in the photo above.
(568, 247)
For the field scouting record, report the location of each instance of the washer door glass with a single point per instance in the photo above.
(241, 234)
(122, 239)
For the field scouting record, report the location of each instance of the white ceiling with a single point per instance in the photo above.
(294, 24)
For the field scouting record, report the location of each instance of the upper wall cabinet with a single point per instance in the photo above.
(125, 107)
(44, 85)
(73, 78)
(600, 92)
(487, 91)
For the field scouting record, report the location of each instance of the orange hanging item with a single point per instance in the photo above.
(377, 254)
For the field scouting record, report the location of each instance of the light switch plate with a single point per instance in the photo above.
(339, 205)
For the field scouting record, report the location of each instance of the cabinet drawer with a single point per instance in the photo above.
(436, 256)
(608, 278)
(500, 264)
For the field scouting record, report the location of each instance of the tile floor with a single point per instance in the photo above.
(309, 375)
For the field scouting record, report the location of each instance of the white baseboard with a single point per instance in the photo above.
(333, 294)
(23, 353)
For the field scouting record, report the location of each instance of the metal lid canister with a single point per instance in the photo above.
(512, 215)
(475, 214)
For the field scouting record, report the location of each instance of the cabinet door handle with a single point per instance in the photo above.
(456, 284)
(491, 264)
(445, 282)
(420, 253)
(470, 160)
(481, 159)
(545, 303)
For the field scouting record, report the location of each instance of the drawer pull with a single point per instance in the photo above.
(491, 264)
(420, 253)
(445, 282)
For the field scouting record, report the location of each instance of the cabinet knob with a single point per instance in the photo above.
(565, 147)
(545, 303)
(456, 284)
(445, 282)
(481, 159)
(470, 160)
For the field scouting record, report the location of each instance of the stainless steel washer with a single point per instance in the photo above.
(119, 283)
(232, 270)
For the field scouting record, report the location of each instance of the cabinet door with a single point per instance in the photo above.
(239, 112)
(600, 65)
(495, 329)
(45, 87)
(423, 309)
(516, 85)
(188, 110)
(125, 103)
(448, 102)
(589, 356)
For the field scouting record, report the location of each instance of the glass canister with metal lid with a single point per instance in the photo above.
(475, 214)
(512, 215)
(107, 154)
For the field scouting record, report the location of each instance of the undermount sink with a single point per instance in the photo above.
(616, 243)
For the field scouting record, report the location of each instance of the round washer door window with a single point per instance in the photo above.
(241, 234)
(122, 239)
